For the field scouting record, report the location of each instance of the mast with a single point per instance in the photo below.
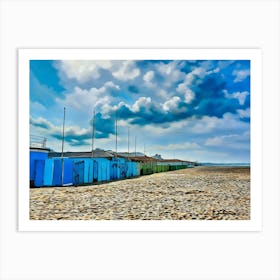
(135, 146)
(62, 146)
(128, 141)
(62, 149)
(92, 138)
(116, 123)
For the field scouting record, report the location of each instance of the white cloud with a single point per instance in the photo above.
(199, 72)
(220, 140)
(148, 78)
(126, 71)
(240, 75)
(202, 126)
(161, 93)
(184, 88)
(110, 85)
(170, 71)
(172, 105)
(188, 93)
(208, 124)
(241, 96)
(215, 71)
(235, 141)
(140, 103)
(205, 125)
(189, 96)
(37, 107)
(244, 113)
(106, 110)
(48, 128)
(83, 99)
(181, 88)
(83, 70)
(176, 147)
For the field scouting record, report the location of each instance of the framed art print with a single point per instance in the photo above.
(139, 139)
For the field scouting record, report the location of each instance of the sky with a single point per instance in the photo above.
(196, 110)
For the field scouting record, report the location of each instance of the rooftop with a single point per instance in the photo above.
(96, 154)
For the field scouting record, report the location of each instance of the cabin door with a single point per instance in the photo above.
(78, 172)
(39, 173)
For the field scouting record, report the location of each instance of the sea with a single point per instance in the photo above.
(235, 164)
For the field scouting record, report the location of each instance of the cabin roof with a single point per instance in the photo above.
(96, 154)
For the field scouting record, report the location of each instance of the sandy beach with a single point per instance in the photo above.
(200, 193)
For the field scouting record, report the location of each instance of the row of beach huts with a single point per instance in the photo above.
(81, 168)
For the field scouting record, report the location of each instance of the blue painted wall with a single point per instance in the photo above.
(57, 173)
(93, 170)
(48, 173)
(84, 168)
(118, 169)
(78, 167)
(57, 180)
(132, 169)
(103, 169)
(39, 167)
(35, 155)
(79, 171)
(68, 170)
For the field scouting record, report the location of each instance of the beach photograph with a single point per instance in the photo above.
(139, 139)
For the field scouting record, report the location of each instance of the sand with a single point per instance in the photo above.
(200, 193)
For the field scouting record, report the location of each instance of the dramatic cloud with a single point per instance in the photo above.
(127, 71)
(83, 70)
(240, 96)
(82, 98)
(148, 78)
(73, 134)
(170, 71)
(240, 75)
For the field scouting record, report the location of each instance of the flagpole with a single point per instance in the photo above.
(116, 123)
(92, 138)
(128, 141)
(135, 145)
(62, 149)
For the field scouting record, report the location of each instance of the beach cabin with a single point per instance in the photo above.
(84, 170)
(89, 167)
(35, 154)
(90, 170)
(132, 169)
(53, 172)
(119, 168)
(103, 169)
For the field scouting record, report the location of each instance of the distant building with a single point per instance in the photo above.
(126, 154)
(157, 156)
